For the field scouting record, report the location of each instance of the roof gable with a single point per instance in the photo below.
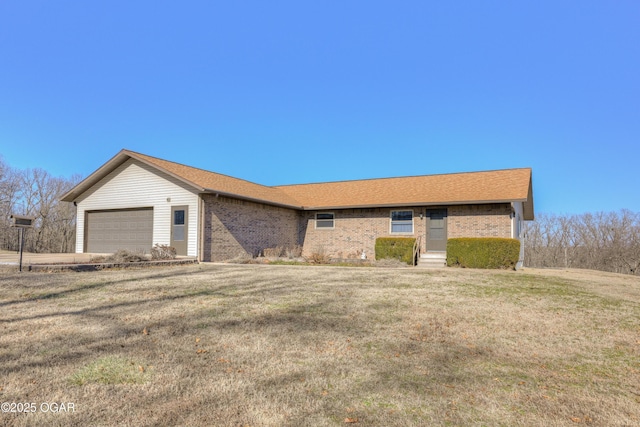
(200, 180)
(212, 182)
(499, 186)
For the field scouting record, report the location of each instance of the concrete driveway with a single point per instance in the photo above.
(13, 258)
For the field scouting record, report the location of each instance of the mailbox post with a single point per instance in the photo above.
(21, 222)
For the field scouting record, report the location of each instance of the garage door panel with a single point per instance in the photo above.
(108, 231)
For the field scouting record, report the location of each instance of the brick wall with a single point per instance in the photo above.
(356, 230)
(235, 228)
(492, 220)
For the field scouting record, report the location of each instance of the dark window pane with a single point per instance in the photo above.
(401, 215)
(324, 216)
(178, 217)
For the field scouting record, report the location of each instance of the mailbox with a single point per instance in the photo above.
(22, 221)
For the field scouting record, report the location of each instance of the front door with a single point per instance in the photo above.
(436, 230)
(179, 228)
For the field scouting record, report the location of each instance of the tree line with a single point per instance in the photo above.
(607, 241)
(36, 193)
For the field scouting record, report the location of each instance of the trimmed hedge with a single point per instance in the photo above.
(400, 248)
(483, 252)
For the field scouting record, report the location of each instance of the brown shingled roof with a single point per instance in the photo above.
(476, 187)
(507, 185)
(219, 183)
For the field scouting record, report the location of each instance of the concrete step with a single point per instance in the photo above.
(432, 260)
(434, 255)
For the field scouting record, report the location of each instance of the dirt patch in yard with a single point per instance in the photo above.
(264, 345)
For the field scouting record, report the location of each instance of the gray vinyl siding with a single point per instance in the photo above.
(136, 185)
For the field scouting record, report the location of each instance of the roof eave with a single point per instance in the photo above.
(176, 176)
(251, 199)
(405, 204)
(96, 176)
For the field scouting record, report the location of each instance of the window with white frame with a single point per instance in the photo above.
(402, 222)
(325, 220)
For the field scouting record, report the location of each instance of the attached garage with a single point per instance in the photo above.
(130, 203)
(109, 230)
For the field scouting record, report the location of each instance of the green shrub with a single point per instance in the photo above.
(483, 252)
(400, 248)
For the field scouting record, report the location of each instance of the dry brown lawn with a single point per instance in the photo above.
(255, 345)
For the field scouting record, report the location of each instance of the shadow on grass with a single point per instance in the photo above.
(33, 283)
(118, 335)
(236, 347)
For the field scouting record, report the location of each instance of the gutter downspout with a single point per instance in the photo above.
(517, 233)
(200, 248)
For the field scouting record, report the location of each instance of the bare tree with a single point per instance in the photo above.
(9, 200)
(36, 193)
(601, 241)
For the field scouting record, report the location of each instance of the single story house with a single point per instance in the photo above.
(135, 201)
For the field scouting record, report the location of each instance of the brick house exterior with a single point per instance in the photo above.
(490, 220)
(356, 230)
(216, 217)
(236, 228)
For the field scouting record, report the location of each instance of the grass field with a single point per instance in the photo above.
(255, 345)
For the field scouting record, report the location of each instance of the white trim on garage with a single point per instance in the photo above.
(136, 185)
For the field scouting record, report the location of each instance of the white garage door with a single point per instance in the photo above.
(108, 231)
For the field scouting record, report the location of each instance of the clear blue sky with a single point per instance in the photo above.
(281, 92)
